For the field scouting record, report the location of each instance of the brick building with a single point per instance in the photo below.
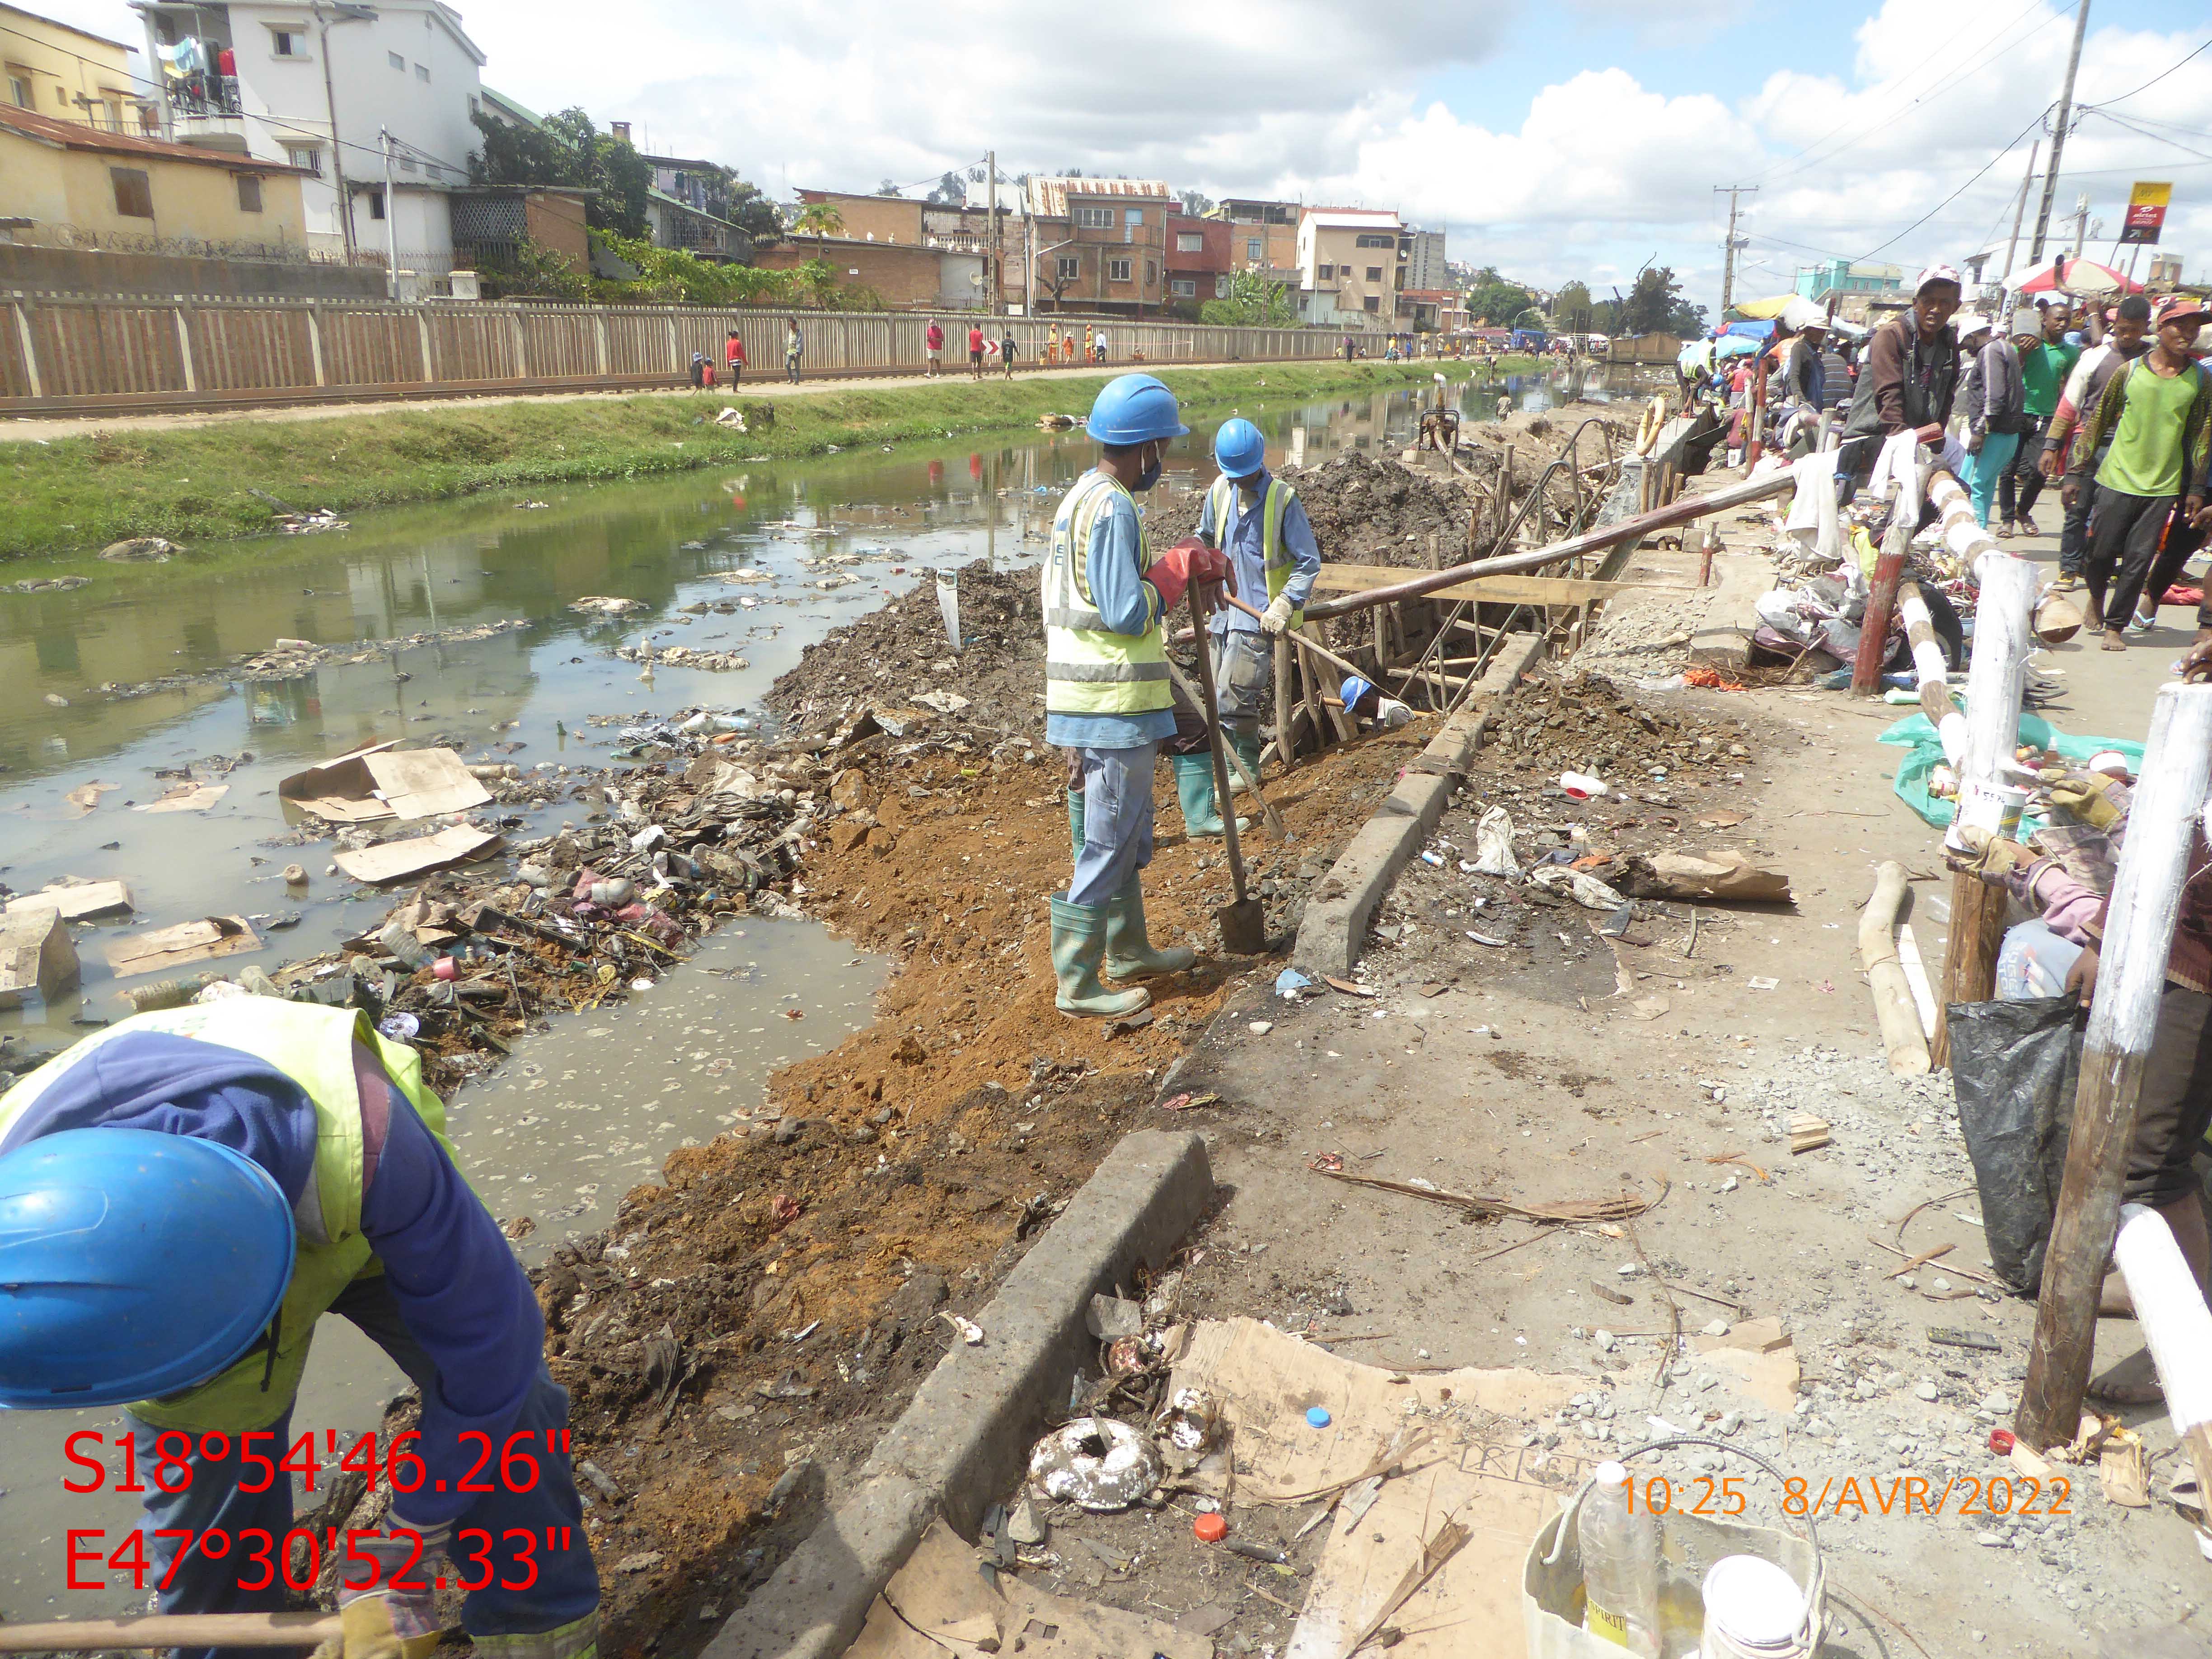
(909, 278)
(1264, 234)
(1198, 261)
(1100, 245)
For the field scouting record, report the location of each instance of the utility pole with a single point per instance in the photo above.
(2081, 223)
(2020, 209)
(992, 264)
(338, 149)
(391, 218)
(1728, 262)
(2058, 134)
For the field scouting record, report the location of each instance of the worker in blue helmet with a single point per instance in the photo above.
(1108, 701)
(183, 1195)
(1259, 523)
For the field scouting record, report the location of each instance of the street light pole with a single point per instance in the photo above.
(337, 150)
(2058, 135)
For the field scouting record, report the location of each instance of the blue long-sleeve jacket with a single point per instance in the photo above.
(460, 1292)
(1129, 604)
(1250, 557)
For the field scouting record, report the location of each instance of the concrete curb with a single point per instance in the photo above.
(1340, 906)
(1740, 581)
(961, 1442)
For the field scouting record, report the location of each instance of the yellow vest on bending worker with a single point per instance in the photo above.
(1089, 668)
(1274, 558)
(313, 1047)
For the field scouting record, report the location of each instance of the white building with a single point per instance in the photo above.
(316, 84)
(1349, 264)
(1424, 261)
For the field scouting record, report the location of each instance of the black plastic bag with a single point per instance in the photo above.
(2014, 1067)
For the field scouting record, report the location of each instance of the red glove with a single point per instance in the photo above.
(1188, 561)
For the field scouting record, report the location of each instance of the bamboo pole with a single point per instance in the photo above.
(1686, 511)
(1894, 1005)
(2169, 802)
(173, 1629)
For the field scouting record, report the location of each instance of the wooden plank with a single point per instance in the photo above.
(1504, 590)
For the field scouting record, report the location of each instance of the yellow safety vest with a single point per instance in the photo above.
(1088, 668)
(1274, 558)
(313, 1047)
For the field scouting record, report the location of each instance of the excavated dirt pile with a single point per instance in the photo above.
(1585, 723)
(902, 655)
(1363, 511)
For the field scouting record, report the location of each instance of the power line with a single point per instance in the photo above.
(2148, 84)
(1961, 190)
(2120, 121)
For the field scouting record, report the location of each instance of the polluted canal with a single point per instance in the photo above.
(150, 712)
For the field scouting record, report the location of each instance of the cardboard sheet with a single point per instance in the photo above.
(381, 781)
(940, 1604)
(36, 954)
(187, 942)
(78, 900)
(186, 798)
(396, 861)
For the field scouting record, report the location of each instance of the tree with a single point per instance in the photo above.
(1252, 301)
(950, 192)
(887, 188)
(568, 151)
(1491, 300)
(1571, 310)
(821, 221)
(1196, 205)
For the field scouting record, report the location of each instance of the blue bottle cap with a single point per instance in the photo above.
(1317, 1416)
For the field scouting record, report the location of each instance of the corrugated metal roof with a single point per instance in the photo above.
(1048, 197)
(75, 135)
(1350, 218)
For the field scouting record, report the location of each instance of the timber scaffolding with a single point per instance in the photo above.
(1434, 634)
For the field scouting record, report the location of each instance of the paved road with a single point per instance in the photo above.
(2109, 693)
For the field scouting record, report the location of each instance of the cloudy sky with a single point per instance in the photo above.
(1569, 138)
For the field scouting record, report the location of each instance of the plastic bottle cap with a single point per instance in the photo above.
(1210, 1529)
(1611, 1474)
(1317, 1416)
(2001, 1441)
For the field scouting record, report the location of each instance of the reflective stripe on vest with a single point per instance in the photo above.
(313, 1047)
(1089, 668)
(1275, 559)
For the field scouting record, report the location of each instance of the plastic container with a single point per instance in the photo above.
(1619, 1543)
(1753, 1610)
(1581, 785)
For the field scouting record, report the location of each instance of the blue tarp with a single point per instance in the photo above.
(1916, 735)
(1750, 330)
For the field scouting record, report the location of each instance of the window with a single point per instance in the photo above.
(1374, 273)
(284, 43)
(18, 91)
(1069, 268)
(249, 193)
(305, 156)
(1133, 216)
(1117, 271)
(1094, 218)
(1252, 247)
(1373, 302)
(1324, 273)
(1190, 242)
(407, 164)
(1186, 288)
(376, 211)
(434, 170)
(475, 104)
(1370, 240)
(396, 61)
(421, 71)
(134, 192)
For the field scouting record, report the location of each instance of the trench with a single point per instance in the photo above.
(589, 1108)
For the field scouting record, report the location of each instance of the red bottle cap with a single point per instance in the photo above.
(1210, 1529)
(2001, 1441)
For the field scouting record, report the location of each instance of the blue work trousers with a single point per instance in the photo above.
(566, 1585)
(1984, 466)
(1117, 820)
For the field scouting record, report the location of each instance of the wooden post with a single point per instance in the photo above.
(1882, 601)
(1755, 417)
(599, 338)
(2169, 802)
(315, 342)
(1894, 1006)
(1285, 744)
(30, 346)
(422, 338)
(184, 348)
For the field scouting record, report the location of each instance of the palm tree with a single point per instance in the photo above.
(820, 221)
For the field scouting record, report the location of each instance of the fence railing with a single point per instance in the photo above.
(60, 353)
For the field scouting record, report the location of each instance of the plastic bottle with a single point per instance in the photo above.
(1620, 1545)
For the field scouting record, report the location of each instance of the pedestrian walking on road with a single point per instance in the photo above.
(794, 347)
(1102, 346)
(1994, 407)
(1090, 345)
(2044, 367)
(1006, 352)
(2125, 337)
(2158, 411)
(975, 351)
(1107, 602)
(932, 342)
(733, 351)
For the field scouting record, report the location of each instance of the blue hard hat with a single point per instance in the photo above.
(1135, 408)
(1353, 690)
(133, 1264)
(1238, 448)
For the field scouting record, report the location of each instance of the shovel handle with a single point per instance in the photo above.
(174, 1630)
(1226, 803)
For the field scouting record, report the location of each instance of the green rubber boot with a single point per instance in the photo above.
(1079, 943)
(1075, 820)
(1247, 745)
(1129, 953)
(1194, 776)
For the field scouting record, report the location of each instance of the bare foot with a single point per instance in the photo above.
(2112, 640)
(2133, 1382)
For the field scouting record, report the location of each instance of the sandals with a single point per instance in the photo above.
(2006, 530)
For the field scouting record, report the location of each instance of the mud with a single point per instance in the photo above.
(1363, 511)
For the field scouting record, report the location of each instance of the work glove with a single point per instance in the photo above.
(1277, 616)
(1989, 855)
(2082, 797)
(377, 1619)
(1188, 561)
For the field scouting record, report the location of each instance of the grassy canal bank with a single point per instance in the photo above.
(75, 494)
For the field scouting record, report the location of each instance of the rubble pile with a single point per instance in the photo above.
(287, 660)
(1363, 511)
(1586, 723)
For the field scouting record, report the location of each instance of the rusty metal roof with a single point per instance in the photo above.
(1048, 197)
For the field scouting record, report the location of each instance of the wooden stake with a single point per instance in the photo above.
(1881, 601)
(1892, 994)
(1285, 744)
(2169, 800)
(173, 1629)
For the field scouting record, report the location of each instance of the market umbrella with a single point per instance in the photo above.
(2083, 278)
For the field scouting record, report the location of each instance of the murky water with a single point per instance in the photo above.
(575, 1119)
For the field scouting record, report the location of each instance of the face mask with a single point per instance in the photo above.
(1151, 475)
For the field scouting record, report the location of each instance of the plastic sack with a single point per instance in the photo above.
(2014, 1067)
(2034, 961)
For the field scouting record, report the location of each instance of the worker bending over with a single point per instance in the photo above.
(1107, 694)
(1258, 522)
(184, 1195)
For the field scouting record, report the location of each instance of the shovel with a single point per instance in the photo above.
(1243, 925)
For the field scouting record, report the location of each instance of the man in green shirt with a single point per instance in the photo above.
(2158, 413)
(2043, 372)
